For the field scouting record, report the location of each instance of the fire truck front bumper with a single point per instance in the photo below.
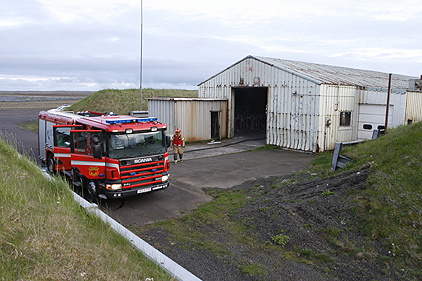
(111, 194)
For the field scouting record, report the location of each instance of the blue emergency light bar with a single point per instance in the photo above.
(135, 120)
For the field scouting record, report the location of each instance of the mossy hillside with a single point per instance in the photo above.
(124, 101)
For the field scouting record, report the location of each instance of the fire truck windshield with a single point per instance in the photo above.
(136, 144)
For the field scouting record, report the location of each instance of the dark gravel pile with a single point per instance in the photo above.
(302, 231)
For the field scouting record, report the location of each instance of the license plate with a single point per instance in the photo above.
(144, 190)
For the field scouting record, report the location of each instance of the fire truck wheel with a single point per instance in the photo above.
(92, 190)
(50, 164)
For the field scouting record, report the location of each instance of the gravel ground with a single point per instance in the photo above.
(324, 242)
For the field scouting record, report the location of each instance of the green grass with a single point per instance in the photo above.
(253, 269)
(124, 101)
(45, 235)
(30, 126)
(391, 206)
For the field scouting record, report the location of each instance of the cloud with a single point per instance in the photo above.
(92, 10)
(94, 44)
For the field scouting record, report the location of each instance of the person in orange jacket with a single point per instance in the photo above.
(177, 143)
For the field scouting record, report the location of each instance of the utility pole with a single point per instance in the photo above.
(388, 103)
(140, 68)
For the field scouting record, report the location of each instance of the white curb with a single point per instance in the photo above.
(169, 265)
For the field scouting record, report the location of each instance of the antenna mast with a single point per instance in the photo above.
(140, 68)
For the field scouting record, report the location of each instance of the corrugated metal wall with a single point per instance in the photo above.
(163, 109)
(397, 100)
(192, 116)
(335, 99)
(293, 112)
(298, 107)
(293, 102)
(413, 107)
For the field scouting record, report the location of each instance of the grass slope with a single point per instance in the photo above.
(45, 235)
(124, 101)
(381, 238)
(392, 203)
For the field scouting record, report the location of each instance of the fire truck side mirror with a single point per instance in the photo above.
(97, 148)
(168, 141)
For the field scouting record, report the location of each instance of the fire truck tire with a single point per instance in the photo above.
(92, 190)
(50, 164)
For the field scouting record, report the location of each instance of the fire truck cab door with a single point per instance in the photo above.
(62, 141)
(87, 153)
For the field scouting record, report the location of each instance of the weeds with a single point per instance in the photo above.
(330, 231)
(253, 269)
(281, 239)
(326, 193)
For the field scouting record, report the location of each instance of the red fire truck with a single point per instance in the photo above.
(108, 156)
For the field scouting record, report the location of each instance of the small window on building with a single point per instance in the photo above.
(345, 119)
(367, 126)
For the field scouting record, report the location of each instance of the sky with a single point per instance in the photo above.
(89, 45)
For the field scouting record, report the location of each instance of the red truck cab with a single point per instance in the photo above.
(109, 156)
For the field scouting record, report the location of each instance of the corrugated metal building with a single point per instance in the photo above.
(307, 106)
(413, 107)
(198, 118)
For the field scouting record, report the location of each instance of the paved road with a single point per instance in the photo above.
(206, 165)
(26, 140)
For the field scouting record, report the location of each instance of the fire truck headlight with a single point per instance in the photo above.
(165, 178)
(114, 186)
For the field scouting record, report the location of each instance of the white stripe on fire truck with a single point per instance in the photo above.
(58, 155)
(111, 165)
(87, 163)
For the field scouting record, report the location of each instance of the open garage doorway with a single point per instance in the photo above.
(249, 111)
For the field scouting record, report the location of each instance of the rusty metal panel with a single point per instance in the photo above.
(337, 99)
(191, 115)
(293, 111)
(317, 73)
(413, 111)
(327, 74)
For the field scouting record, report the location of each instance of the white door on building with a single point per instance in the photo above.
(372, 117)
